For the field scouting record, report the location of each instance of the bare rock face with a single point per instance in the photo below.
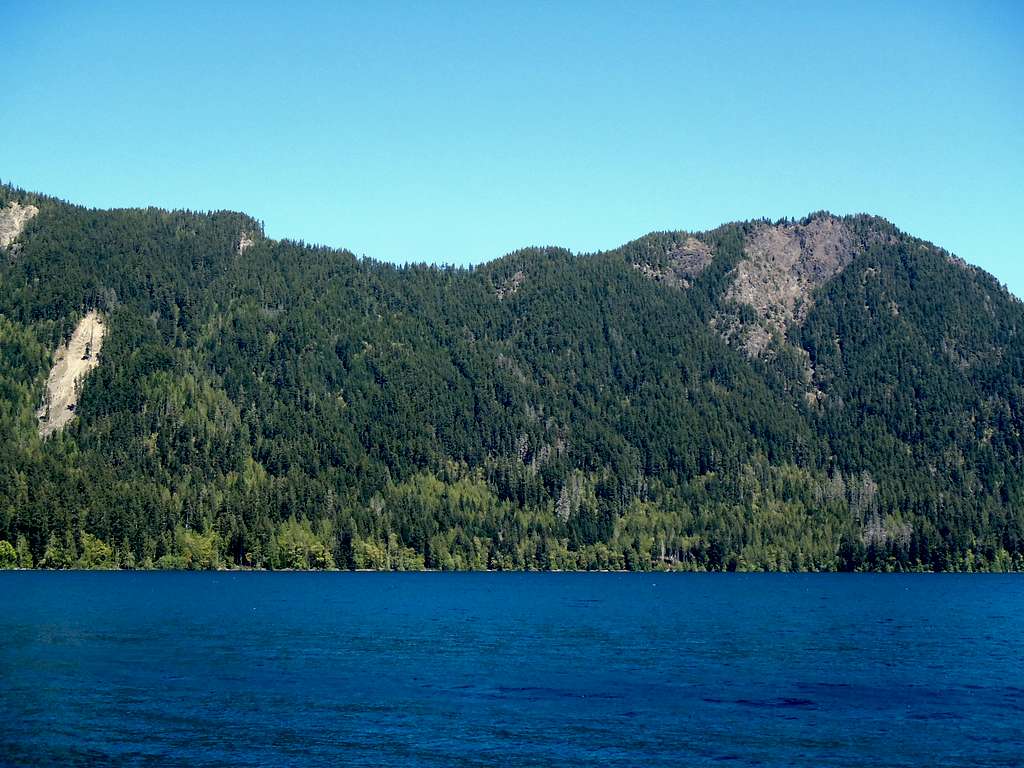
(783, 265)
(684, 263)
(245, 241)
(13, 219)
(691, 258)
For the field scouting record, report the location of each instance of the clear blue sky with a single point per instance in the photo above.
(455, 132)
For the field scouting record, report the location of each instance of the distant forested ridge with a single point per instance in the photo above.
(821, 394)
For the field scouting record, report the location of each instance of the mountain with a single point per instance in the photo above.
(178, 390)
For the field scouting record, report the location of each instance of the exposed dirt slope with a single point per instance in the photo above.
(72, 363)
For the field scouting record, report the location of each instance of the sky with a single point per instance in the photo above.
(456, 132)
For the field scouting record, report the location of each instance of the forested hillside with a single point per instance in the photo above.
(819, 394)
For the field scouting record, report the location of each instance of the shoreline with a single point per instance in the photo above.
(665, 572)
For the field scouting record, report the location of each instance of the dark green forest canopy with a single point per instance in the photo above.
(264, 403)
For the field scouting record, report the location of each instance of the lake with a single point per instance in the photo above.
(277, 669)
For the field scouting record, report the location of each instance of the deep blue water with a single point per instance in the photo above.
(510, 669)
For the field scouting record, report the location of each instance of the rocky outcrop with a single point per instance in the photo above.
(511, 286)
(783, 265)
(245, 241)
(682, 264)
(13, 219)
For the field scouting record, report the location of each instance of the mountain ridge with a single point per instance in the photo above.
(669, 403)
(12, 192)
